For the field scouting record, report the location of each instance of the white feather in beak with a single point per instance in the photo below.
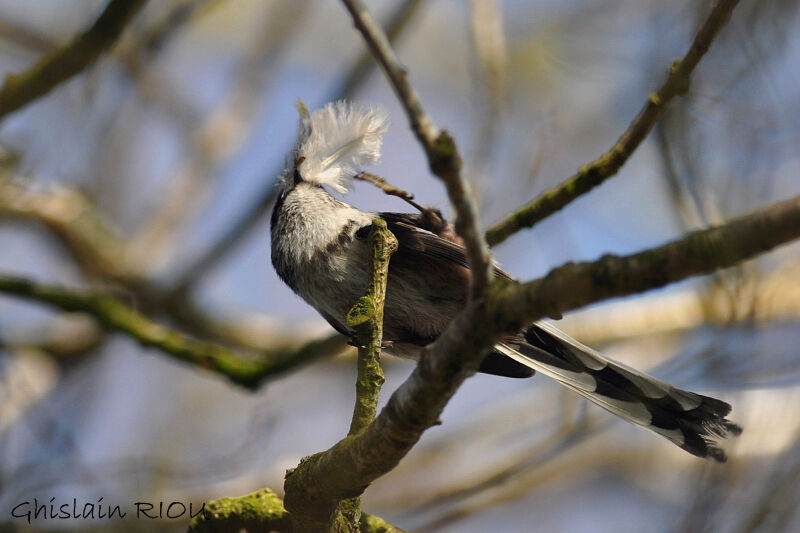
(336, 141)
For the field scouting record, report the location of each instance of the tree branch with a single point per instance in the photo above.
(366, 319)
(65, 62)
(439, 147)
(115, 315)
(345, 470)
(607, 165)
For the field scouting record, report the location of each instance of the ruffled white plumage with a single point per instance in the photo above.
(335, 141)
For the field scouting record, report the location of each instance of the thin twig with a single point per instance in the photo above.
(439, 146)
(115, 315)
(389, 189)
(431, 218)
(346, 469)
(607, 165)
(65, 62)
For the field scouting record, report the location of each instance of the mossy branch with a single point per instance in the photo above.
(65, 62)
(366, 320)
(345, 470)
(263, 511)
(607, 165)
(116, 315)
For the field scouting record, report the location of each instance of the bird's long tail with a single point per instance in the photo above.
(695, 423)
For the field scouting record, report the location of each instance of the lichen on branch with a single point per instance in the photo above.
(263, 510)
(309, 512)
(366, 319)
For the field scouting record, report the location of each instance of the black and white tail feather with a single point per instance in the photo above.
(315, 250)
(694, 422)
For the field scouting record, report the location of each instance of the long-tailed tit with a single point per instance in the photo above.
(319, 249)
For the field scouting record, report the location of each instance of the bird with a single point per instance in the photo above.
(319, 249)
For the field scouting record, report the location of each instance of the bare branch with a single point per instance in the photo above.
(439, 146)
(260, 511)
(65, 62)
(607, 165)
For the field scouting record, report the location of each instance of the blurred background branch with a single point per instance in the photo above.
(65, 62)
(115, 315)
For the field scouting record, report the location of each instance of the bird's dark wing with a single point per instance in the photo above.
(442, 265)
(416, 234)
